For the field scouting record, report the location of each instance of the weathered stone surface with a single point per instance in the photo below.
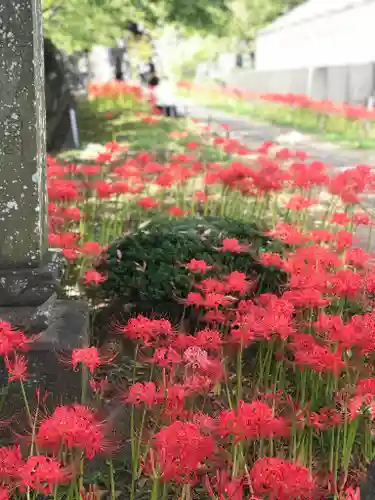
(22, 135)
(30, 319)
(48, 362)
(30, 286)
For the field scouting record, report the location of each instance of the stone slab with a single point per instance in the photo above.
(47, 359)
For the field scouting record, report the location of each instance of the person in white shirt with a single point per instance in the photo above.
(165, 97)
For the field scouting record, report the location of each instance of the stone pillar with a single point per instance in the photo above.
(22, 135)
(26, 275)
(29, 273)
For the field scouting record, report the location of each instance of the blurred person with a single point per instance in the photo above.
(165, 97)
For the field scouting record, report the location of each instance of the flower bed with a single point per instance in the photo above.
(272, 394)
(336, 121)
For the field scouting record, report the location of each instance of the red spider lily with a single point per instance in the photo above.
(273, 316)
(104, 157)
(321, 236)
(325, 418)
(307, 176)
(320, 359)
(10, 463)
(175, 401)
(165, 357)
(99, 386)
(208, 339)
(196, 357)
(180, 450)
(281, 479)
(148, 331)
(17, 368)
(142, 392)
(236, 282)
(365, 387)
(308, 298)
(298, 202)
(92, 277)
(198, 266)
(192, 145)
(271, 259)
(233, 246)
(120, 188)
(91, 248)
(201, 196)
(89, 170)
(254, 420)
(63, 190)
(288, 234)
(103, 189)
(147, 203)
(344, 240)
(71, 254)
(176, 212)
(203, 421)
(361, 218)
(89, 357)
(73, 426)
(357, 257)
(197, 384)
(216, 300)
(42, 474)
(12, 340)
(346, 283)
(165, 180)
(215, 317)
(63, 240)
(114, 146)
(340, 218)
(225, 487)
(211, 285)
(351, 494)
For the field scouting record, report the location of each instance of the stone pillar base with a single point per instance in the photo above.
(68, 329)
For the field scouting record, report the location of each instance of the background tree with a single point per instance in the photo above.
(76, 24)
(249, 16)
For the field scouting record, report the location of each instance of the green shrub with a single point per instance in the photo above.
(148, 265)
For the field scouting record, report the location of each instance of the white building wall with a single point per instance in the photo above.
(319, 33)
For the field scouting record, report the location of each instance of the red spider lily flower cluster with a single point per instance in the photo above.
(75, 427)
(206, 418)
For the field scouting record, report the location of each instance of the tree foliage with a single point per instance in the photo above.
(249, 16)
(75, 24)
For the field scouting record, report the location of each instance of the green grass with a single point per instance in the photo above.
(126, 126)
(330, 128)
